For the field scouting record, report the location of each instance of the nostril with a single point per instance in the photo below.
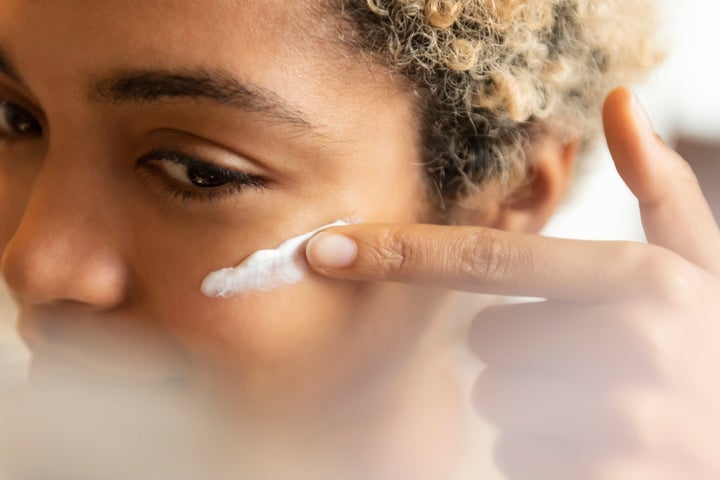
(14, 273)
(59, 270)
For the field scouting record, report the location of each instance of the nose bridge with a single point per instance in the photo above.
(64, 248)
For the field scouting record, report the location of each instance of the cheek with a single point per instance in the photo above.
(265, 329)
(295, 348)
(262, 344)
(15, 187)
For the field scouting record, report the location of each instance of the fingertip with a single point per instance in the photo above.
(647, 165)
(615, 100)
(619, 118)
(631, 139)
(627, 123)
(331, 251)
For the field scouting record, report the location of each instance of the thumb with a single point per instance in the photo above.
(674, 211)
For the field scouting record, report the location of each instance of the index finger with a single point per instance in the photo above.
(493, 261)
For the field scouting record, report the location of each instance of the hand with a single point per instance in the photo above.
(617, 374)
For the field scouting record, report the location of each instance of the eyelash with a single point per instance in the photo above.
(236, 180)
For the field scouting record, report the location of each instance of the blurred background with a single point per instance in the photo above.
(13, 357)
(683, 102)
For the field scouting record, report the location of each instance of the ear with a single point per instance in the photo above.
(533, 201)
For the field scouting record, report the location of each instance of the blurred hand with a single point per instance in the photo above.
(617, 374)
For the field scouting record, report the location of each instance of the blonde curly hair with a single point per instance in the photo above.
(489, 75)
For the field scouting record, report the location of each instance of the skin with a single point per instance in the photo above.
(132, 265)
(620, 360)
(104, 253)
(105, 265)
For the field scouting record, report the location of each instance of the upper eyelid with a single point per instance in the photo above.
(184, 159)
(192, 137)
(16, 89)
(181, 158)
(192, 146)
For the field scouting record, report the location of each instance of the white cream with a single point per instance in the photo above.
(263, 270)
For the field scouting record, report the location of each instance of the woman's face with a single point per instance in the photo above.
(146, 144)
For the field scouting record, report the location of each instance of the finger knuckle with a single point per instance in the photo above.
(685, 173)
(485, 256)
(391, 253)
(670, 280)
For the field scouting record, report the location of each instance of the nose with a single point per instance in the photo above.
(65, 250)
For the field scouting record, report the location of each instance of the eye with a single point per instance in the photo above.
(16, 122)
(198, 175)
(191, 177)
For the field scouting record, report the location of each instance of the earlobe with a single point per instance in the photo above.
(533, 200)
(532, 204)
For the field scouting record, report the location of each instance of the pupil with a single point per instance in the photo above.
(201, 177)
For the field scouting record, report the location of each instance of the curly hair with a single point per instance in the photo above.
(489, 75)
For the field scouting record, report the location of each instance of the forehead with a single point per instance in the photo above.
(291, 48)
(68, 39)
(109, 18)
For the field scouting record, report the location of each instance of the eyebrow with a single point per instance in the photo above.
(150, 86)
(154, 86)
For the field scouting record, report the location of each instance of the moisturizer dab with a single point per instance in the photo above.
(263, 270)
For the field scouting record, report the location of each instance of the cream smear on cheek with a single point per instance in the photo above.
(263, 270)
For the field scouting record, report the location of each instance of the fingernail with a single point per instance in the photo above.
(329, 250)
(641, 114)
